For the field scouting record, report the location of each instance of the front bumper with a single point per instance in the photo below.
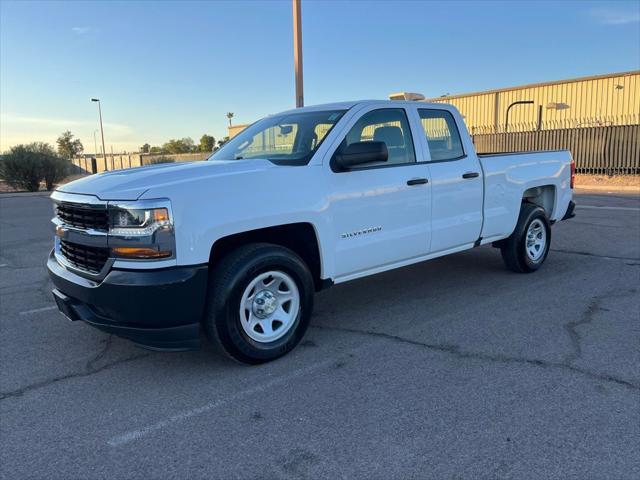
(158, 309)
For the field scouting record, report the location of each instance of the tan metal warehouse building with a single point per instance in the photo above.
(600, 100)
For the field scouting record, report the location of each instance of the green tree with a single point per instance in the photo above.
(183, 145)
(145, 148)
(67, 146)
(155, 150)
(189, 145)
(26, 165)
(207, 142)
(223, 141)
(229, 117)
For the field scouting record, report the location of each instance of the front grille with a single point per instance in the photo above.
(90, 259)
(83, 217)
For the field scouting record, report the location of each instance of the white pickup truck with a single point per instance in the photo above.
(236, 246)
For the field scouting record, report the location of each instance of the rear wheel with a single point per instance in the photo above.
(260, 303)
(526, 249)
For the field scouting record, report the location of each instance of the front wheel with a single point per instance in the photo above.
(526, 249)
(260, 302)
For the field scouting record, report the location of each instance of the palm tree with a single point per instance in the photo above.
(229, 116)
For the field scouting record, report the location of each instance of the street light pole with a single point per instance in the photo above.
(95, 143)
(520, 102)
(297, 51)
(104, 152)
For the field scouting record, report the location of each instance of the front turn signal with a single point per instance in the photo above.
(139, 253)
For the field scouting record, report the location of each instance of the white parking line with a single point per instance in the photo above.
(144, 431)
(594, 207)
(136, 434)
(36, 310)
(3, 265)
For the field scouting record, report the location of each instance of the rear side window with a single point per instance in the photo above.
(387, 125)
(442, 134)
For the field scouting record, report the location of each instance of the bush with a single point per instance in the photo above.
(160, 159)
(54, 170)
(25, 166)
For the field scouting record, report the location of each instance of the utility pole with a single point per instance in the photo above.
(297, 51)
(104, 151)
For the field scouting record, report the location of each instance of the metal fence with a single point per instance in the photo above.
(610, 150)
(572, 122)
(88, 165)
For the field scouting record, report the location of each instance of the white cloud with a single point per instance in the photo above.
(15, 129)
(609, 16)
(80, 30)
(44, 123)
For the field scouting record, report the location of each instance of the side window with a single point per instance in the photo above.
(389, 126)
(442, 134)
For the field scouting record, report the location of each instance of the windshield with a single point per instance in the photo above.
(289, 139)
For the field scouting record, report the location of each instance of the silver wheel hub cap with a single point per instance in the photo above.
(264, 303)
(269, 306)
(536, 240)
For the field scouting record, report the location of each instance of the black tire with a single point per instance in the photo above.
(228, 281)
(513, 249)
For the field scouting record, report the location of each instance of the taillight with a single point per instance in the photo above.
(573, 172)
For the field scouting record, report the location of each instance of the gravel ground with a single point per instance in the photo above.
(585, 181)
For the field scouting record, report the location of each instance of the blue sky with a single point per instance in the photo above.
(169, 69)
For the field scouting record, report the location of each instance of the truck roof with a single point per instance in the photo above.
(353, 103)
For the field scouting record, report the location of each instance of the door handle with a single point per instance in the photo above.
(470, 175)
(417, 181)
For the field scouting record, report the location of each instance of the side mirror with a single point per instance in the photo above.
(286, 129)
(361, 152)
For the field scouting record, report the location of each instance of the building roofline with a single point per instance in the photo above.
(533, 85)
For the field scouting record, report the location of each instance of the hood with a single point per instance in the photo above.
(130, 184)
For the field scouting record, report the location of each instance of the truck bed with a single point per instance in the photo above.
(543, 178)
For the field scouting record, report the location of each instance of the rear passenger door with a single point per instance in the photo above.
(456, 181)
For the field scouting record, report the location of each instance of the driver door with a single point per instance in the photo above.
(381, 212)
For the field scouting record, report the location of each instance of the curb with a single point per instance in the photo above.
(610, 188)
(24, 194)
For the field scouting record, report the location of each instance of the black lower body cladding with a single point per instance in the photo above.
(570, 214)
(159, 309)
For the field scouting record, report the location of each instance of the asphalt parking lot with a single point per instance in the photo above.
(455, 368)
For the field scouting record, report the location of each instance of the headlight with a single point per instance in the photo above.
(141, 230)
(141, 222)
